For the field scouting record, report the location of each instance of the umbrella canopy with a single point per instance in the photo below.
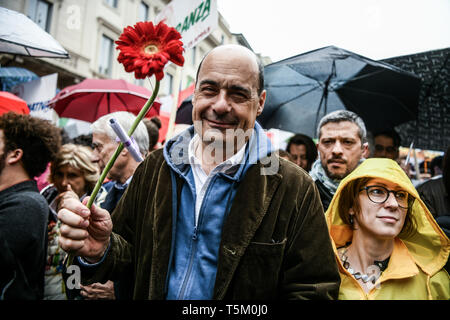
(19, 35)
(10, 102)
(93, 98)
(304, 88)
(12, 76)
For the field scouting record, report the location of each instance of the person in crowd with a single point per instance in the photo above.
(153, 125)
(436, 166)
(386, 144)
(42, 179)
(71, 170)
(435, 193)
(342, 147)
(388, 246)
(303, 150)
(104, 142)
(285, 155)
(214, 214)
(27, 144)
(83, 139)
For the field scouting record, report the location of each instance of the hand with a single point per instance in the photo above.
(63, 196)
(84, 233)
(98, 291)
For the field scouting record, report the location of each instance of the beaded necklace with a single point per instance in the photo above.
(377, 265)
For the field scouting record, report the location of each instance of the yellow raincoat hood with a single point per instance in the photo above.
(428, 246)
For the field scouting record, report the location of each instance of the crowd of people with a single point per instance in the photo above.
(217, 212)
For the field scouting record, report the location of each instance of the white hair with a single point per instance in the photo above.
(125, 119)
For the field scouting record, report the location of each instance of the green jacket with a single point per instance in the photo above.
(275, 243)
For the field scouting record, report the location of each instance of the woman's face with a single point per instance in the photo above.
(381, 220)
(66, 175)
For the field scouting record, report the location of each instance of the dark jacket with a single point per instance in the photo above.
(23, 241)
(325, 195)
(275, 242)
(433, 193)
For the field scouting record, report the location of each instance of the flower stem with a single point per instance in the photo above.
(111, 161)
(119, 149)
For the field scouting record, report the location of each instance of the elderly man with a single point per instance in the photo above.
(213, 215)
(342, 147)
(27, 144)
(105, 144)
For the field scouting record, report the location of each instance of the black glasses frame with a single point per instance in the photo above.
(366, 188)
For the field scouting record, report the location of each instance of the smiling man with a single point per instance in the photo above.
(201, 218)
(342, 147)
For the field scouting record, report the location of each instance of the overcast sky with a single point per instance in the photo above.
(376, 29)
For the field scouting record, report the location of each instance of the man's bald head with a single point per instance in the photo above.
(238, 49)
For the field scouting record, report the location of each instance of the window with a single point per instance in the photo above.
(194, 54)
(169, 83)
(41, 12)
(143, 12)
(112, 3)
(139, 82)
(157, 11)
(105, 58)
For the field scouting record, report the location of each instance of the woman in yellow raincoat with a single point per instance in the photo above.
(386, 242)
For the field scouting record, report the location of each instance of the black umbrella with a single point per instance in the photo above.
(304, 88)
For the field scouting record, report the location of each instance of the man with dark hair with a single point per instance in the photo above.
(342, 147)
(153, 125)
(27, 145)
(303, 150)
(386, 144)
(435, 192)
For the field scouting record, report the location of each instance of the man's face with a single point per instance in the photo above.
(226, 98)
(298, 153)
(103, 150)
(340, 148)
(384, 148)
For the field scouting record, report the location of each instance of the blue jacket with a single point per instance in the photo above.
(195, 248)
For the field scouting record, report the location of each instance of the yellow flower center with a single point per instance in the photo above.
(151, 49)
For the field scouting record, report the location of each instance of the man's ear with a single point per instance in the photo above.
(261, 102)
(124, 152)
(14, 156)
(366, 151)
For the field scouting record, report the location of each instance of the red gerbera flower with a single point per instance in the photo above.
(145, 49)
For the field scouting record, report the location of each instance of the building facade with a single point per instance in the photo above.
(87, 30)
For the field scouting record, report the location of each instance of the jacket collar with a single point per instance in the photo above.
(176, 150)
(401, 264)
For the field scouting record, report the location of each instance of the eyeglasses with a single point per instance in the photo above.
(379, 194)
(380, 148)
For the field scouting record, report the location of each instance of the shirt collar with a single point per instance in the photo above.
(231, 162)
(119, 185)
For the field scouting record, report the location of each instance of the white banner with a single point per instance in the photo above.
(194, 19)
(37, 94)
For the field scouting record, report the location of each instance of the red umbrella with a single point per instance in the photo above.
(11, 102)
(93, 98)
